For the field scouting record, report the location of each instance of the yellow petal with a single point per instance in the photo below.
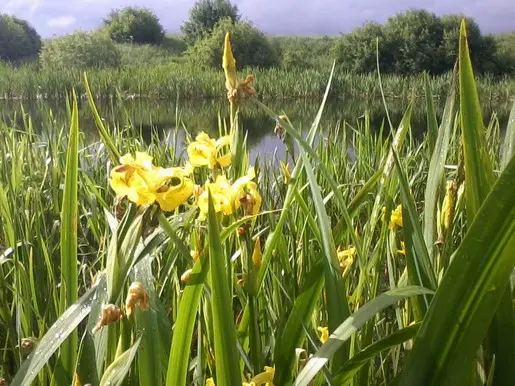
(143, 159)
(210, 382)
(229, 64)
(266, 377)
(402, 251)
(223, 141)
(225, 160)
(324, 334)
(221, 193)
(170, 197)
(240, 183)
(396, 218)
(350, 252)
(203, 137)
(201, 154)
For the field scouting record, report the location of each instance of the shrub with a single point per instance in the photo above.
(80, 50)
(145, 55)
(250, 46)
(356, 51)
(134, 25)
(204, 16)
(18, 40)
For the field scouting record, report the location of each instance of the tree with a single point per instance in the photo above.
(134, 25)
(250, 46)
(80, 50)
(357, 51)
(18, 40)
(481, 48)
(415, 38)
(504, 56)
(204, 16)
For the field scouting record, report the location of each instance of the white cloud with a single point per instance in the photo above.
(62, 21)
(18, 5)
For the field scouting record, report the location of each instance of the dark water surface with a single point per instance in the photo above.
(165, 116)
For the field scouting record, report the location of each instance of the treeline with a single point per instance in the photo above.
(408, 43)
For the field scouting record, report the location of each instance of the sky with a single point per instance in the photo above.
(279, 17)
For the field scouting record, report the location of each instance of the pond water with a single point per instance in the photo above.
(165, 116)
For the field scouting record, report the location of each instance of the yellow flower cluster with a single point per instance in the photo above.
(143, 183)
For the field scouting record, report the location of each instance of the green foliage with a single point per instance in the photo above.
(356, 50)
(250, 46)
(481, 47)
(296, 52)
(134, 25)
(325, 205)
(79, 50)
(18, 39)
(205, 15)
(416, 41)
(145, 55)
(415, 38)
(504, 57)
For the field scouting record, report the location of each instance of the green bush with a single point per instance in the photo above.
(304, 52)
(145, 55)
(80, 50)
(18, 40)
(204, 16)
(250, 46)
(504, 57)
(414, 39)
(134, 25)
(356, 51)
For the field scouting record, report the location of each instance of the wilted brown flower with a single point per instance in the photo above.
(137, 296)
(110, 314)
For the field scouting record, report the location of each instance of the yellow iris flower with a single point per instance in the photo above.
(324, 334)
(221, 194)
(395, 218)
(206, 151)
(226, 197)
(246, 195)
(236, 89)
(264, 378)
(229, 64)
(143, 183)
(346, 258)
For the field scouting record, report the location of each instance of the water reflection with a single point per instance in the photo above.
(164, 116)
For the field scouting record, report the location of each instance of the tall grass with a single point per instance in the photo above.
(173, 80)
(258, 292)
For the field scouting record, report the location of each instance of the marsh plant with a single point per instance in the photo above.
(137, 262)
